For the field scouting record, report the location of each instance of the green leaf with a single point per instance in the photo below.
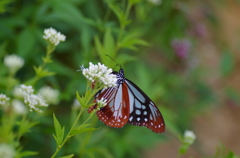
(108, 47)
(99, 47)
(108, 42)
(80, 99)
(59, 131)
(123, 58)
(68, 156)
(43, 72)
(119, 13)
(82, 129)
(82, 126)
(88, 95)
(227, 63)
(24, 126)
(27, 153)
(130, 41)
(4, 4)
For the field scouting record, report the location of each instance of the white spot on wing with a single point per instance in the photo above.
(130, 119)
(138, 119)
(137, 104)
(138, 112)
(145, 113)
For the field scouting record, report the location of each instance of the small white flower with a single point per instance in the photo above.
(35, 101)
(52, 36)
(102, 102)
(51, 95)
(32, 100)
(4, 100)
(13, 62)
(18, 107)
(101, 74)
(26, 89)
(156, 2)
(6, 151)
(189, 137)
(76, 104)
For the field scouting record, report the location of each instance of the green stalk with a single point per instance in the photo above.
(69, 133)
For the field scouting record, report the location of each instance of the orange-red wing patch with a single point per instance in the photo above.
(116, 112)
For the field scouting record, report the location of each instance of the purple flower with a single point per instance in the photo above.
(181, 47)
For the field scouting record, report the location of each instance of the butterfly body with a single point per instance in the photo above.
(127, 103)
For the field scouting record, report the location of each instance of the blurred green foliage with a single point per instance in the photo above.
(135, 33)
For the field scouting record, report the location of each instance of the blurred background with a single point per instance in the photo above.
(183, 54)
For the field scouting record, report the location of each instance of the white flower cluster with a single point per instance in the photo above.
(102, 102)
(4, 100)
(189, 137)
(50, 94)
(32, 100)
(52, 36)
(100, 74)
(13, 62)
(6, 151)
(26, 89)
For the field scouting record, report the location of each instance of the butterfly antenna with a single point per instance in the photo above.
(117, 64)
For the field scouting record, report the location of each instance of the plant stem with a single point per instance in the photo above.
(69, 133)
(20, 134)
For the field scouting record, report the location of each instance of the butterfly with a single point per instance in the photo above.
(127, 103)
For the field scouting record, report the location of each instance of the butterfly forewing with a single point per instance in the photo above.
(116, 112)
(143, 111)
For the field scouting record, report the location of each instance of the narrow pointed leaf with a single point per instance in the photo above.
(82, 130)
(80, 99)
(59, 131)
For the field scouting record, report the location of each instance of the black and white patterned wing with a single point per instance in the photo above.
(143, 112)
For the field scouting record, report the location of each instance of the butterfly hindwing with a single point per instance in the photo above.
(143, 112)
(116, 112)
